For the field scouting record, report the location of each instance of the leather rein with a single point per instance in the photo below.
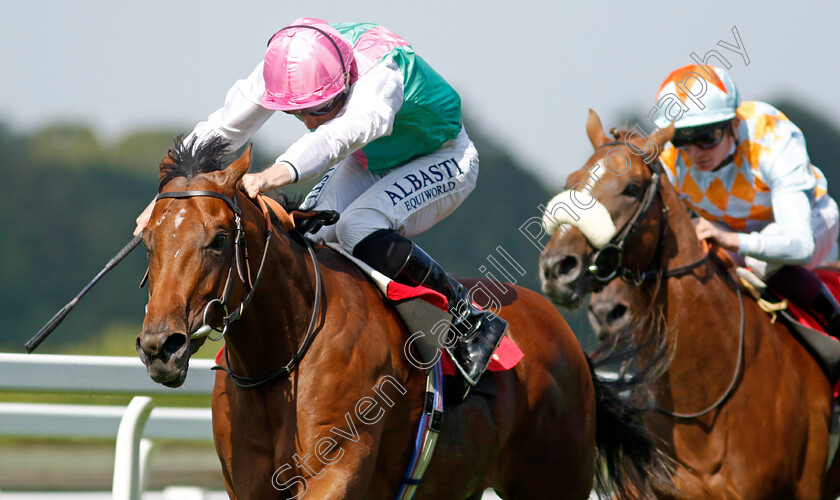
(239, 261)
(611, 255)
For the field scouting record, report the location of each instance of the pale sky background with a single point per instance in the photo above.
(527, 70)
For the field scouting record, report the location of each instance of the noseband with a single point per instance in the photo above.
(239, 256)
(606, 263)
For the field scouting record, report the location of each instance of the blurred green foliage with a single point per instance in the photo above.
(71, 200)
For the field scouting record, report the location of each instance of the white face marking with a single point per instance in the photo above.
(176, 254)
(180, 217)
(162, 217)
(590, 179)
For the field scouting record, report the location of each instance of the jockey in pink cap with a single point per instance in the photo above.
(385, 134)
(744, 168)
(305, 70)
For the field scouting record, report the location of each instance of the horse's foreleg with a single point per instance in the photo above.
(333, 468)
(228, 484)
(338, 482)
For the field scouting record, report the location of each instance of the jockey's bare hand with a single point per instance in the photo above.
(273, 177)
(143, 219)
(254, 184)
(717, 233)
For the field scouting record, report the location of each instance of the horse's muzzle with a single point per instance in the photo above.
(166, 356)
(608, 318)
(562, 279)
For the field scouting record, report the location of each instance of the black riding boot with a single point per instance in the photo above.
(806, 291)
(478, 332)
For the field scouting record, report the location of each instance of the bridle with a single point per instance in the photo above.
(606, 266)
(238, 256)
(606, 262)
(239, 261)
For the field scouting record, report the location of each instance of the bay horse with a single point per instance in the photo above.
(316, 396)
(741, 406)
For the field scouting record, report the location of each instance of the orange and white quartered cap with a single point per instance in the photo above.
(707, 94)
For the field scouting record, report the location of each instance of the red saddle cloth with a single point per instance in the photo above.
(831, 279)
(507, 355)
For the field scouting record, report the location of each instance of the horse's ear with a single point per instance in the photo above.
(666, 136)
(167, 165)
(595, 130)
(238, 168)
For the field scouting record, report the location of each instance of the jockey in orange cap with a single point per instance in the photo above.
(744, 168)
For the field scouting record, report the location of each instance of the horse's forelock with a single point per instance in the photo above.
(188, 158)
(632, 147)
(621, 136)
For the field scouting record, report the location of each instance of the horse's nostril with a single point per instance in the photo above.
(617, 313)
(141, 351)
(173, 344)
(565, 266)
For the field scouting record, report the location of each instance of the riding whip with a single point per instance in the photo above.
(60, 315)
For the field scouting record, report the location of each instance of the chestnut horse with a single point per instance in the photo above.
(608, 312)
(742, 407)
(317, 396)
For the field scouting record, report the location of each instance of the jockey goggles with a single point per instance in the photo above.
(702, 137)
(318, 110)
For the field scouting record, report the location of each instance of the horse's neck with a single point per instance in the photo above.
(695, 308)
(272, 326)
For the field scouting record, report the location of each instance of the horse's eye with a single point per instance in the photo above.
(218, 242)
(632, 190)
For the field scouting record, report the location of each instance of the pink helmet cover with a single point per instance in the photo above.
(306, 64)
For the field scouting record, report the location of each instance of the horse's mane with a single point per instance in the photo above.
(187, 158)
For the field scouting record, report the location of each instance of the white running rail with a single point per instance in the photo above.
(133, 426)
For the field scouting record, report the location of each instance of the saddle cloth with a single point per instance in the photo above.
(825, 348)
(506, 356)
(830, 279)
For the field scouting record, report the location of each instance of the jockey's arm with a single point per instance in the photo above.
(787, 169)
(241, 116)
(367, 114)
(792, 240)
